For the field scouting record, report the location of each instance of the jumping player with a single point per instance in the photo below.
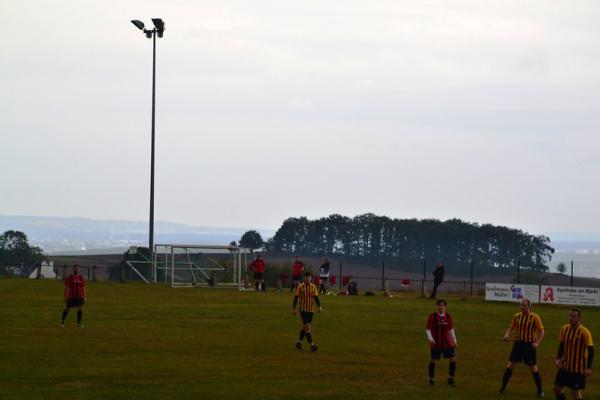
(308, 295)
(440, 332)
(575, 357)
(529, 333)
(74, 295)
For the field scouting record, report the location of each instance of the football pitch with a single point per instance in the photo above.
(156, 342)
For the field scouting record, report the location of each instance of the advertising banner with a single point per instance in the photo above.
(570, 295)
(511, 292)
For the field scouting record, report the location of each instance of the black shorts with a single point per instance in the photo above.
(296, 277)
(75, 302)
(306, 317)
(259, 276)
(523, 352)
(571, 380)
(324, 278)
(437, 353)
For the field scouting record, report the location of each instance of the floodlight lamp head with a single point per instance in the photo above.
(158, 23)
(138, 24)
(160, 26)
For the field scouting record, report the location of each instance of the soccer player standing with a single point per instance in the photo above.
(297, 271)
(258, 266)
(74, 295)
(441, 335)
(529, 332)
(575, 357)
(308, 295)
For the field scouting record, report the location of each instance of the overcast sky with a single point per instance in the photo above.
(488, 111)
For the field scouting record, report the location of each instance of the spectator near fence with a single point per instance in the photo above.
(438, 278)
(352, 288)
(345, 283)
(324, 275)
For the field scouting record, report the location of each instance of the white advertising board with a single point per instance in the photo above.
(511, 292)
(570, 295)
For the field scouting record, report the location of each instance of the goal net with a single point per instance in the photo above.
(201, 265)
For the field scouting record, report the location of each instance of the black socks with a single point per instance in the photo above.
(66, 312)
(506, 377)
(452, 369)
(308, 337)
(431, 370)
(538, 380)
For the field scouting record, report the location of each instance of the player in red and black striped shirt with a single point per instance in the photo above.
(440, 332)
(74, 296)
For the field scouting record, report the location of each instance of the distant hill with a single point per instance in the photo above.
(570, 237)
(66, 235)
(561, 246)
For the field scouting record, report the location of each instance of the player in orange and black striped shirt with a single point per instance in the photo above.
(308, 295)
(529, 332)
(575, 357)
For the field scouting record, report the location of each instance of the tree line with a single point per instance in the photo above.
(405, 243)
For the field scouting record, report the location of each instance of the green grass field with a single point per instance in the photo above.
(156, 342)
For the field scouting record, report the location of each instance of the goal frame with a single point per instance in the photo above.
(168, 252)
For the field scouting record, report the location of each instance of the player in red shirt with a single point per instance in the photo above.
(440, 332)
(297, 271)
(74, 295)
(258, 267)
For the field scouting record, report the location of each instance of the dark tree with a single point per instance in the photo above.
(15, 251)
(252, 240)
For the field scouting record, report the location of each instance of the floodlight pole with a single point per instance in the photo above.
(151, 229)
(159, 28)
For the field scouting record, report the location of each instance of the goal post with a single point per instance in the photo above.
(201, 265)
